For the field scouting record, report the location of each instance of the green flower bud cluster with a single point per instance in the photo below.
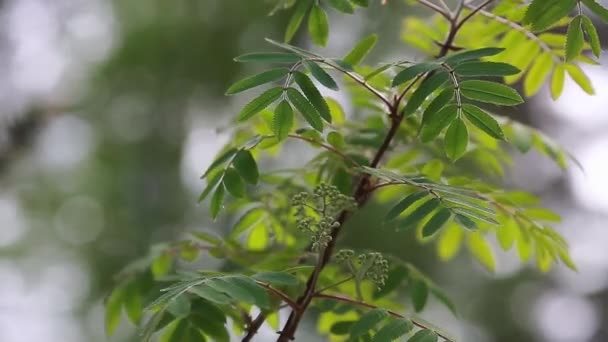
(373, 265)
(316, 212)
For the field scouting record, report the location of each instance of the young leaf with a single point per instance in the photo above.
(217, 201)
(424, 90)
(260, 103)
(543, 13)
(580, 78)
(483, 121)
(321, 75)
(597, 9)
(400, 207)
(538, 73)
(449, 242)
(269, 57)
(424, 336)
(393, 330)
(468, 55)
(363, 47)
(419, 213)
(283, 120)
(246, 166)
(256, 80)
(490, 92)
(343, 6)
(313, 95)
(476, 69)
(557, 81)
(592, 36)
(437, 121)
(481, 250)
(410, 72)
(456, 140)
(234, 183)
(419, 293)
(308, 111)
(574, 39)
(318, 25)
(367, 322)
(296, 19)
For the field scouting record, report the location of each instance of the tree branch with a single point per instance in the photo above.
(325, 146)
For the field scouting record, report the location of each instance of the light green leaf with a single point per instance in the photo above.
(337, 113)
(490, 92)
(367, 322)
(574, 39)
(456, 139)
(162, 265)
(481, 250)
(541, 14)
(296, 19)
(506, 234)
(318, 25)
(557, 81)
(246, 166)
(321, 75)
(276, 278)
(282, 122)
(256, 80)
(260, 103)
(234, 183)
(363, 47)
(592, 36)
(133, 302)
(269, 57)
(542, 214)
(483, 121)
(468, 55)
(419, 294)
(580, 78)
(217, 201)
(437, 121)
(476, 69)
(113, 306)
(424, 336)
(248, 220)
(538, 73)
(402, 205)
(336, 139)
(425, 89)
(313, 95)
(597, 9)
(393, 330)
(210, 294)
(449, 242)
(411, 72)
(308, 111)
(343, 6)
(419, 213)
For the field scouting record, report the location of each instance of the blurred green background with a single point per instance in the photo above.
(110, 111)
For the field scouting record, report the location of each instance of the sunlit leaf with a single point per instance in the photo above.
(574, 39)
(543, 13)
(483, 121)
(318, 25)
(481, 250)
(363, 47)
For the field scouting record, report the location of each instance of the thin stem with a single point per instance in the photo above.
(279, 294)
(254, 326)
(335, 284)
(436, 8)
(445, 6)
(472, 13)
(390, 312)
(325, 146)
(458, 10)
(402, 95)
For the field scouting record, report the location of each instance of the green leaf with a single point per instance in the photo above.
(541, 14)
(419, 213)
(410, 73)
(296, 19)
(269, 57)
(427, 87)
(183, 332)
(133, 302)
(468, 55)
(436, 104)
(313, 95)
(557, 81)
(393, 330)
(246, 166)
(481, 250)
(318, 25)
(476, 69)
(449, 242)
(276, 278)
(341, 328)
(538, 73)
(465, 222)
(437, 121)
(220, 160)
(400, 207)
(542, 214)
(483, 121)
(507, 233)
(282, 121)
(162, 265)
(367, 322)
(113, 306)
(308, 111)
(424, 336)
(474, 214)
(342, 5)
(592, 36)
(321, 75)
(362, 3)
(241, 285)
(260, 103)
(234, 183)
(256, 80)
(363, 47)
(336, 139)
(419, 293)
(456, 139)
(217, 201)
(211, 184)
(436, 222)
(490, 92)
(597, 9)
(574, 39)
(210, 294)
(580, 78)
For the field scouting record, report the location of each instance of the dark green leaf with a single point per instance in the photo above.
(456, 139)
(476, 68)
(343, 6)
(313, 95)
(363, 47)
(247, 288)
(282, 122)
(260, 103)
(246, 166)
(437, 121)
(483, 121)
(597, 9)
(276, 278)
(296, 19)
(393, 330)
(211, 328)
(476, 215)
(424, 336)
(468, 55)
(419, 213)
(210, 294)
(234, 183)
(419, 293)
(133, 302)
(465, 222)
(574, 39)
(211, 184)
(220, 160)
(411, 72)
(321, 75)
(367, 322)
(217, 201)
(490, 92)
(543, 13)
(398, 208)
(341, 328)
(308, 111)
(427, 87)
(256, 80)
(269, 57)
(179, 306)
(318, 25)
(436, 222)
(592, 36)
(436, 104)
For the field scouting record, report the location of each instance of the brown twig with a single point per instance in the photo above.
(325, 146)
(279, 294)
(254, 326)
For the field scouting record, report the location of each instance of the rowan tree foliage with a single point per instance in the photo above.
(423, 136)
